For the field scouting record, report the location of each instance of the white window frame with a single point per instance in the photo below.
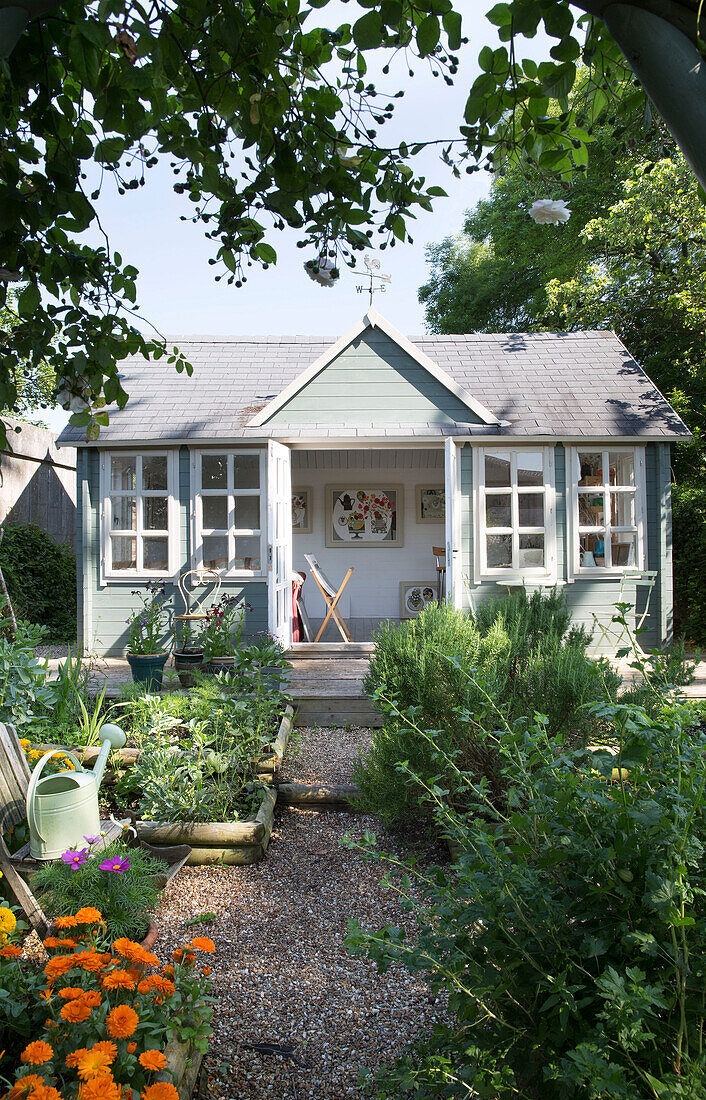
(108, 573)
(197, 495)
(602, 572)
(544, 575)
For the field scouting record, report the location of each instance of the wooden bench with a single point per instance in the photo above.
(18, 866)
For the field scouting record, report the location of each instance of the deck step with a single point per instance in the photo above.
(330, 649)
(335, 711)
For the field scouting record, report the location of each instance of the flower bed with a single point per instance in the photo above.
(101, 1015)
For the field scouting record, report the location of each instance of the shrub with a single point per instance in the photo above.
(570, 935)
(94, 1011)
(125, 897)
(689, 538)
(41, 579)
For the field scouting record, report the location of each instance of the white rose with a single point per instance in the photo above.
(549, 212)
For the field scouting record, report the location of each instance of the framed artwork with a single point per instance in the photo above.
(431, 504)
(415, 596)
(301, 511)
(363, 515)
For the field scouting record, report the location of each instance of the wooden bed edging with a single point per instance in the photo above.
(183, 1065)
(323, 796)
(229, 843)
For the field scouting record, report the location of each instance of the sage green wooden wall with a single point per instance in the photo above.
(103, 610)
(373, 382)
(587, 595)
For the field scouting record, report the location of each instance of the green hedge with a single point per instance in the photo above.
(689, 539)
(41, 579)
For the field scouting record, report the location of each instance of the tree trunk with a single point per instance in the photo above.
(666, 61)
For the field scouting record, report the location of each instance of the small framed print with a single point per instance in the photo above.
(431, 504)
(301, 511)
(415, 596)
(359, 514)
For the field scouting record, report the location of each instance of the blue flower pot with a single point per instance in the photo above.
(147, 669)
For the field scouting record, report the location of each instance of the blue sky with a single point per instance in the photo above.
(176, 287)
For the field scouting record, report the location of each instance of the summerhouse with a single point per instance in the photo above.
(436, 466)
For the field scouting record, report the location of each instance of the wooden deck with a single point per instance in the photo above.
(326, 682)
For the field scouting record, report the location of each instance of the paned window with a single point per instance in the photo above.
(515, 513)
(607, 488)
(228, 511)
(139, 514)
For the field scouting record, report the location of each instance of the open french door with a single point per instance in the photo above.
(453, 523)
(279, 542)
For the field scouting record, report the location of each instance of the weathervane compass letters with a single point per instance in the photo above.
(376, 278)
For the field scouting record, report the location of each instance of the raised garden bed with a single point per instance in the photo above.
(231, 843)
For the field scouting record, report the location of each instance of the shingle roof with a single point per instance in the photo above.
(563, 385)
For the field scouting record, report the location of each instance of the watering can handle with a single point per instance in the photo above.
(34, 780)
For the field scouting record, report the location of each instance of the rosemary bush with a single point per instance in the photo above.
(570, 936)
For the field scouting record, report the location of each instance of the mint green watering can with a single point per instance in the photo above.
(62, 810)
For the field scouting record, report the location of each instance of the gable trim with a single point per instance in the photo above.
(372, 319)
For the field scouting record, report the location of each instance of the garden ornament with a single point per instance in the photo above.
(62, 809)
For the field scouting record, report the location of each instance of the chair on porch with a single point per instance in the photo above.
(15, 866)
(331, 596)
(613, 634)
(439, 553)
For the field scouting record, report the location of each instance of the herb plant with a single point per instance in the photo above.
(146, 626)
(224, 626)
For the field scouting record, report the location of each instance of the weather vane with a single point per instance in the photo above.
(374, 273)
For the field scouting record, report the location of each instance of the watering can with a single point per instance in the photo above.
(63, 809)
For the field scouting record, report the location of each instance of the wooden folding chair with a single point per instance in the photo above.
(331, 598)
(14, 780)
(439, 553)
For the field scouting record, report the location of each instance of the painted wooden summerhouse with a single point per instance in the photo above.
(535, 459)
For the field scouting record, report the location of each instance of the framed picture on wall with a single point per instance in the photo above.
(301, 511)
(363, 515)
(431, 504)
(415, 596)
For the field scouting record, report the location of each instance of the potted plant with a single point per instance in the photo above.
(265, 660)
(189, 657)
(222, 631)
(146, 654)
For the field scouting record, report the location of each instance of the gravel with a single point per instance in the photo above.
(281, 973)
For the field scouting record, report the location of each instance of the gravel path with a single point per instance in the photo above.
(281, 974)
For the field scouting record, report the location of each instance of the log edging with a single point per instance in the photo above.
(183, 1065)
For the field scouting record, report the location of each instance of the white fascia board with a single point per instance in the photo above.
(372, 319)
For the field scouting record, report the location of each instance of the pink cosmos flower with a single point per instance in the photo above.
(75, 857)
(115, 864)
(92, 839)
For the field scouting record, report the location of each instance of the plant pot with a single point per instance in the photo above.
(186, 663)
(221, 664)
(147, 669)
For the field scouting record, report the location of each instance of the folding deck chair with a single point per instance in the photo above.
(14, 779)
(614, 634)
(331, 598)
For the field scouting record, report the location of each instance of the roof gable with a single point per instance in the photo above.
(370, 372)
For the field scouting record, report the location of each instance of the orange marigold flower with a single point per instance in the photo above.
(75, 1011)
(88, 915)
(131, 1048)
(107, 1047)
(161, 1090)
(205, 970)
(73, 1059)
(118, 979)
(10, 951)
(177, 955)
(45, 1092)
(94, 1063)
(92, 998)
(152, 1060)
(58, 966)
(202, 943)
(100, 1088)
(134, 973)
(126, 947)
(65, 922)
(89, 960)
(121, 1022)
(37, 1052)
(189, 959)
(68, 943)
(168, 971)
(25, 1085)
(71, 992)
(145, 958)
(52, 941)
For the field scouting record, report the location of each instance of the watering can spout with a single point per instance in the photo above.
(112, 737)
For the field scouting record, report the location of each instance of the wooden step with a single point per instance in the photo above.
(335, 710)
(330, 649)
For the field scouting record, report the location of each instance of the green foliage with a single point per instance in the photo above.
(25, 691)
(29, 386)
(124, 898)
(198, 750)
(41, 579)
(458, 677)
(689, 538)
(570, 935)
(146, 626)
